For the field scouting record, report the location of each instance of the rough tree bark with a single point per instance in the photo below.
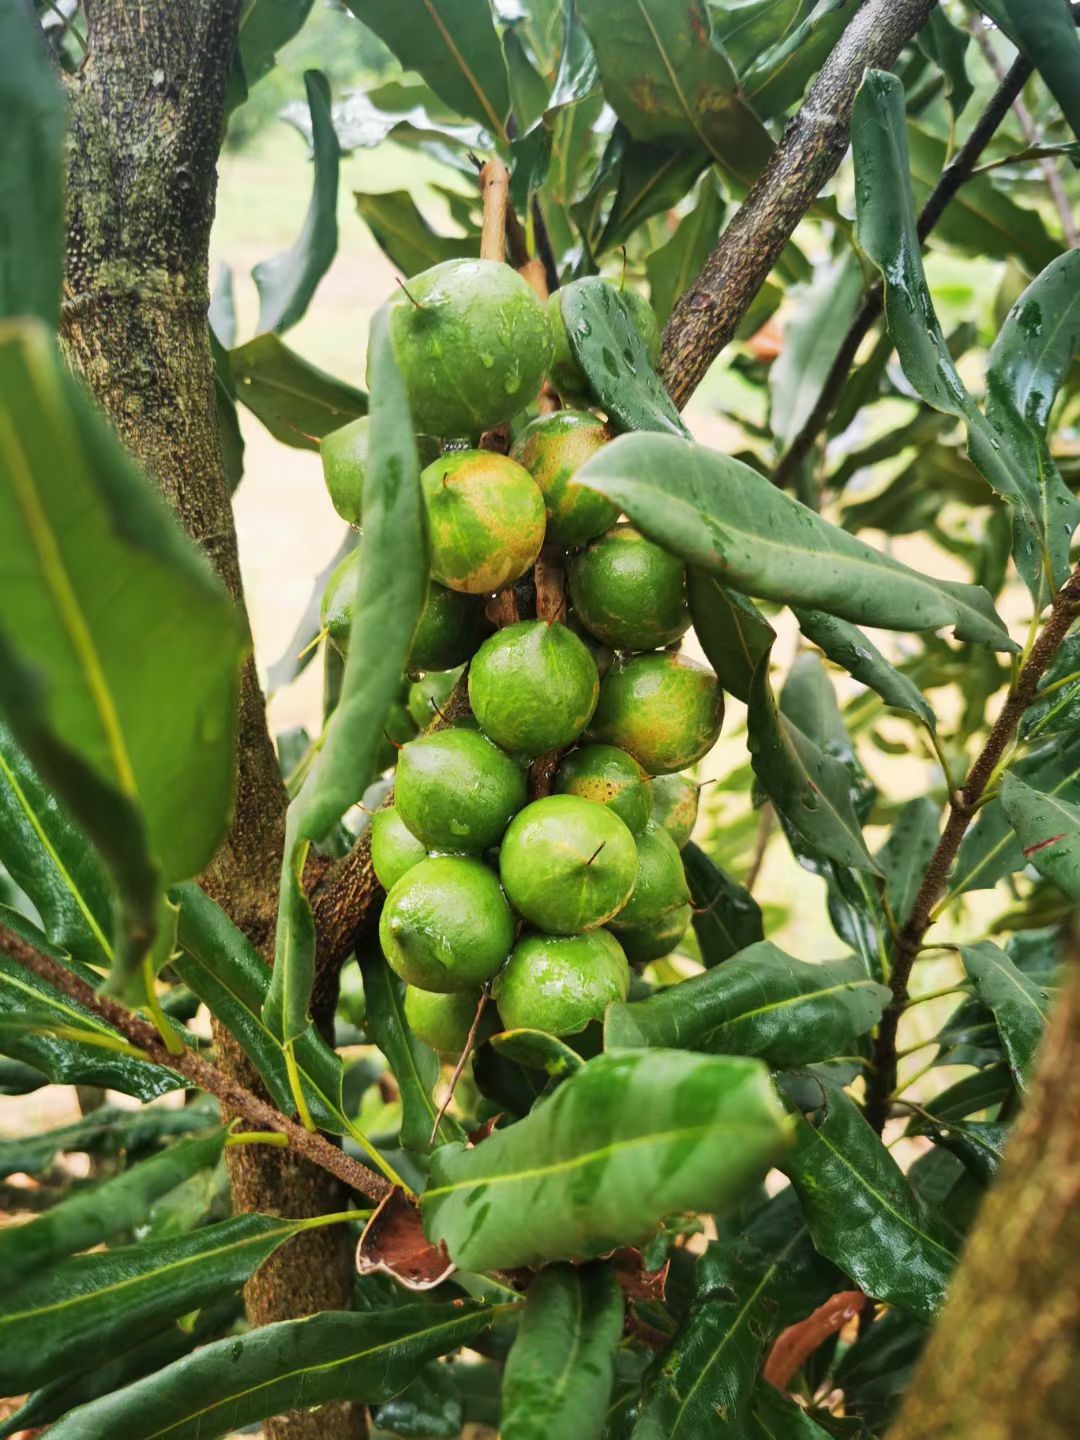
(147, 114)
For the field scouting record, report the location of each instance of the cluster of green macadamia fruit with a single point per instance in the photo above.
(541, 900)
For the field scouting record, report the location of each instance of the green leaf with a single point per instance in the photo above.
(847, 646)
(1047, 35)
(748, 1289)
(980, 1090)
(724, 517)
(408, 110)
(106, 1131)
(335, 1355)
(454, 46)
(265, 27)
(301, 650)
(761, 1002)
(1056, 707)
(415, 1066)
(651, 179)
(51, 860)
(813, 334)
(32, 126)
(745, 29)
(666, 81)
(1019, 1004)
(287, 281)
(623, 1142)
(906, 853)
(730, 629)
(946, 44)
(978, 1144)
(390, 595)
(429, 1408)
(779, 76)
(862, 1212)
(119, 659)
(31, 1009)
(775, 1417)
(102, 1211)
(405, 236)
(674, 266)
(297, 402)
(606, 344)
(726, 918)
(529, 91)
(1009, 452)
(875, 1372)
(538, 1050)
(560, 1368)
(1049, 830)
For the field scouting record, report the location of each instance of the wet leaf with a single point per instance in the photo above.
(1049, 831)
(105, 1131)
(726, 918)
(1019, 1004)
(730, 629)
(847, 646)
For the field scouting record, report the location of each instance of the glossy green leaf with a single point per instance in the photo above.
(32, 126)
(666, 81)
(51, 860)
(978, 1144)
(624, 1141)
(651, 179)
(391, 591)
(529, 90)
(775, 1417)
(577, 76)
(429, 1408)
(1056, 707)
(675, 265)
(814, 331)
(105, 1131)
(862, 1212)
(406, 109)
(559, 1371)
(102, 1211)
(748, 1289)
(1049, 831)
(297, 402)
(746, 29)
(1019, 1004)
(906, 853)
(335, 1355)
(847, 646)
(980, 1090)
(454, 46)
(265, 27)
(729, 520)
(761, 1002)
(611, 354)
(415, 1066)
(1047, 36)
(947, 45)
(876, 1371)
(538, 1050)
(287, 281)
(405, 236)
(779, 76)
(726, 917)
(730, 629)
(1007, 449)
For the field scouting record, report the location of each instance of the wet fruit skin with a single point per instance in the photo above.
(610, 777)
(444, 1021)
(675, 806)
(428, 695)
(485, 520)
(567, 864)
(394, 849)
(660, 886)
(451, 627)
(565, 372)
(552, 448)
(628, 592)
(455, 790)
(559, 983)
(652, 942)
(473, 343)
(446, 925)
(344, 455)
(533, 687)
(665, 709)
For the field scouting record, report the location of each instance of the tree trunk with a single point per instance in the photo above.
(147, 114)
(1003, 1362)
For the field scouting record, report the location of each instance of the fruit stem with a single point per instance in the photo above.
(596, 852)
(407, 292)
(463, 1058)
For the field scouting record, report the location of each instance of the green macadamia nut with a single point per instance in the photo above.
(628, 592)
(446, 925)
(657, 939)
(455, 790)
(344, 455)
(552, 448)
(567, 864)
(444, 1021)
(533, 687)
(428, 695)
(610, 777)
(675, 806)
(559, 983)
(660, 885)
(394, 849)
(485, 520)
(665, 709)
(473, 343)
(451, 626)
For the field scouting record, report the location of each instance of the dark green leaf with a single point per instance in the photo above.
(775, 1417)
(405, 236)
(1049, 830)
(813, 334)
(559, 1371)
(847, 646)
(904, 856)
(723, 516)
(946, 44)
(415, 1065)
(429, 1408)
(265, 27)
(1047, 36)
(538, 1050)
(287, 282)
(335, 1355)
(297, 402)
(875, 1372)
(1019, 1004)
(673, 267)
(624, 1141)
(106, 1131)
(978, 1144)
(102, 1211)
(778, 77)
(577, 76)
(862, 1212)
(731, 630)
(762, 1002)
(32, 125)
(651, 179)
(726, 918)
(1056, 707)
(981, 1090)
(454, 46)
(748, 28)
(529, 90)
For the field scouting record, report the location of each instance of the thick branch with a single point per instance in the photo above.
(1065, 608)
(954, 175)
(812, 147)
(192, 1066)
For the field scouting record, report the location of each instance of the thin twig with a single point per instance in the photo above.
(193, 1067)
(463, 1059)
